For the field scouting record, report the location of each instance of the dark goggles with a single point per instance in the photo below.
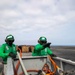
(11, 41)
(43, 41)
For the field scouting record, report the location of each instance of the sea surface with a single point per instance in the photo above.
(67, 52)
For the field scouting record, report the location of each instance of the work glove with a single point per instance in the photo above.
(39, 72)
(53, 55)
(18, 51)
(46, 45)
(12, 55)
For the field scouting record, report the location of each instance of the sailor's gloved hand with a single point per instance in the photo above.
(46, 45)
(18, 50)
(12, 55)
(53, 55)
(39, 72)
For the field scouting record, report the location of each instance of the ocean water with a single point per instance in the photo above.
(67, 52)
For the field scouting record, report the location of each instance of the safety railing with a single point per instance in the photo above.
(65, 64)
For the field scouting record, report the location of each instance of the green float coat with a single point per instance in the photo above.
(39, 50)
(5, 49)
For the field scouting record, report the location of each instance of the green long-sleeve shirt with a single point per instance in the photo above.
(5, 49)
(39, 50)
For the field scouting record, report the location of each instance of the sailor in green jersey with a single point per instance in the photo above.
(8, 49)
(42, 48)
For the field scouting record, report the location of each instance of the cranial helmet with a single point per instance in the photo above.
(42, 40)
(9, 38)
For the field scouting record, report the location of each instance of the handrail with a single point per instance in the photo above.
(65, 60)
(21, 62)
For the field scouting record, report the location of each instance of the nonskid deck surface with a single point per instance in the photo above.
(67, 52)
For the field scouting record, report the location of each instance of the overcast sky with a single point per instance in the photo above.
(27, 20)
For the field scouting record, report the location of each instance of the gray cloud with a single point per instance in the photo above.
(36, 17)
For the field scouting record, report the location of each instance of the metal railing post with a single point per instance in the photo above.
(61, 65)
(9, 70)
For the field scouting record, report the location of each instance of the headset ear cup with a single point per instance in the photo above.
(5, 40)
(38, 41)
(13, 40)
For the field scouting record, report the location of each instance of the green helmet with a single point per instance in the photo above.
(43, 39)
(9, 38)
